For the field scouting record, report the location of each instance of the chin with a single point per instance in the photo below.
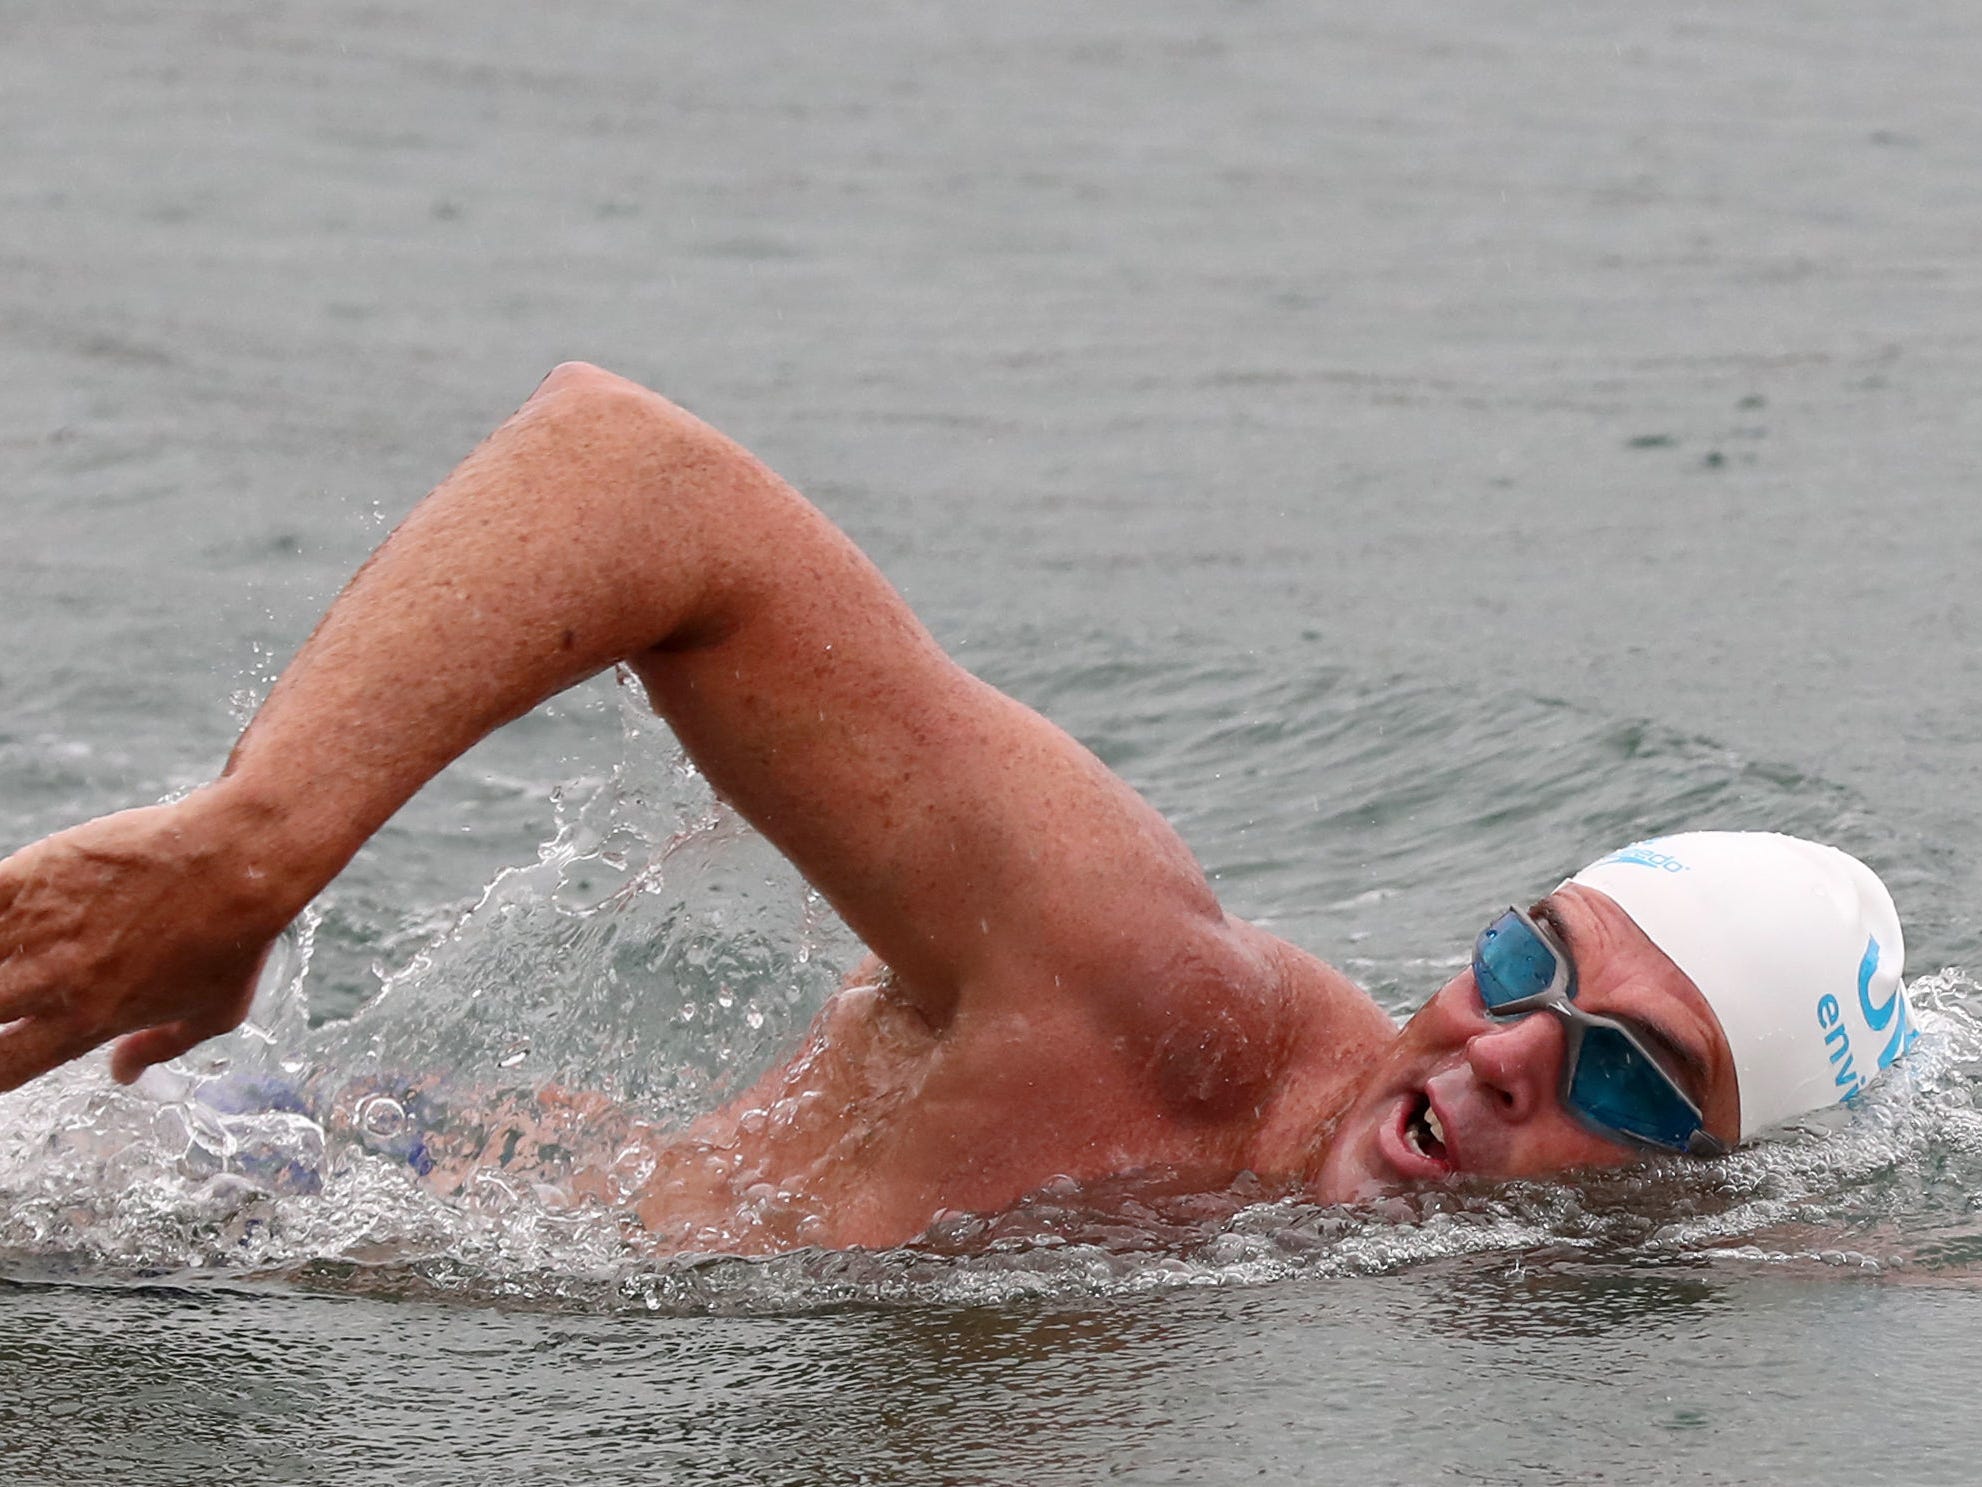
(1390, 1142)
(1351, 1171)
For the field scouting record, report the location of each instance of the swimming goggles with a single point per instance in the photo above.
(1611, 1082)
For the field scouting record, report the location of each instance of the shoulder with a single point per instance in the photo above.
(1221, 1012)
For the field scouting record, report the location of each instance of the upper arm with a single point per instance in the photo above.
(955, 829)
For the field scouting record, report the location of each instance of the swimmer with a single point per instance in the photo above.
(1054, 991)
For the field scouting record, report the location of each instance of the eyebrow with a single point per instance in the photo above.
(1692, 1067)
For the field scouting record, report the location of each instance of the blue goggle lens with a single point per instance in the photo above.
(1614, 1086)
(1611, 1083)
(1511, 963)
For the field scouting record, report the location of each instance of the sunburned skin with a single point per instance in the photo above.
(876, 1127)
(886, 1120)
(1462, 1094)
(1065, 995)
(846, 1142)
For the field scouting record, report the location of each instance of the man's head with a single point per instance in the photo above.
(1758, 973)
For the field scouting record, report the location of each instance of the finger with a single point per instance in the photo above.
(23, 992)
(33, 1046)
(14, 876)
(26, 989)
(137, 1052)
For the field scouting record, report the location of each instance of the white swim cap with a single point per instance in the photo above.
(1796, 947)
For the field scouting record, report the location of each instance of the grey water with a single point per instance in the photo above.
(1419, 448)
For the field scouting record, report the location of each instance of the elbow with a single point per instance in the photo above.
(594, 410)
(580, 378)
(577, 394)
(659, 498)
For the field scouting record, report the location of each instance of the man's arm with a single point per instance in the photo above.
(963, 837)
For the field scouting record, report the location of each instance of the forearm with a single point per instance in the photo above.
(597, 523)
(965, 839)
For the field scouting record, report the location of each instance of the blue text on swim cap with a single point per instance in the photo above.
(1837, 1037)
(1641, 854)
(1891, 1010)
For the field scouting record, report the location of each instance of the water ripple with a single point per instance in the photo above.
(658, 953)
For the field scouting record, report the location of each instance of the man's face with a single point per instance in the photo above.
(1460, 1093)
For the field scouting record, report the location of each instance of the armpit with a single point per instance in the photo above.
(1219, 1038)
(872, 1006)
(893, 998)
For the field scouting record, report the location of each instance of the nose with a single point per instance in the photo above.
(1518, 1063)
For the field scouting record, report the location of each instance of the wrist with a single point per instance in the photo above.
(261, 851)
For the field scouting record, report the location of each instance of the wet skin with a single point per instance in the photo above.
(891, 1114)
(1064, 994)
(1494, 1086)
(885, 1119)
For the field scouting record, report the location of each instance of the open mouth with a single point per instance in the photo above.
(1424, 1134)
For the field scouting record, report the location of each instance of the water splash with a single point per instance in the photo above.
(655, 954)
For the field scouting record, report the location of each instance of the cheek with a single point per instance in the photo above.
(1556, 1143)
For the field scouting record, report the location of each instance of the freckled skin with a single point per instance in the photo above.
(908, 1118)
(1063, 995)
(900, 1134)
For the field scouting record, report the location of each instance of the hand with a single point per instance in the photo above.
(150, 925)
